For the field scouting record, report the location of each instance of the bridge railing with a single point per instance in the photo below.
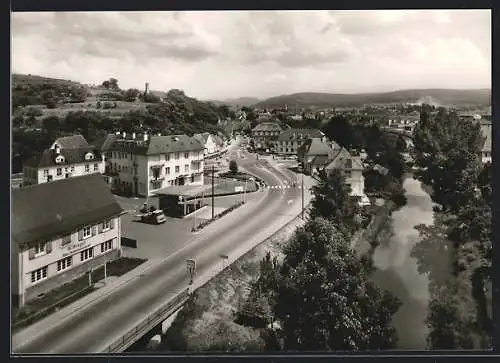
(131, 336)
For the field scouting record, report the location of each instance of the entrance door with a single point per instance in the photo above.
(181, 181)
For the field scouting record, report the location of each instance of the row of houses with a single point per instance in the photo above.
(132, 164)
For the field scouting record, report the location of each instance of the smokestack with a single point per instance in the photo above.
(133, 135)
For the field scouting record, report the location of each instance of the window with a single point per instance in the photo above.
(87, 232)
(106, 246)
(40, 248)
(167, 170)
(167, 157)
(119, 168)
(72, 168)
(87, 168)
(96, 167)
(39, 274)
(186, 168)
(59, 171)
(65, 240)
(177, 156)
(64, 264)
(49, 178)
(177, 168)
(87, 254)
(106, 225)
(46, 173)
(186, 155)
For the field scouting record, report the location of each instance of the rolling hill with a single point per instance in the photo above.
(241, 101)
(439, 96)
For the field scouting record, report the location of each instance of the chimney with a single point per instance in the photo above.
(124, 134)
(145, 136)
(133, 135)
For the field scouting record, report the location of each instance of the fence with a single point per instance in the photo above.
(152, 320)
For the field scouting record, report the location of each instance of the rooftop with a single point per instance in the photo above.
(72, 142)
(184, 190)
(267, 126)
(71, 156)
(293, 134)
(48, 210)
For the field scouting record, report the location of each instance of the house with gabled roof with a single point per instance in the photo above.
(70, 142)
(61, 230)
(62, 162)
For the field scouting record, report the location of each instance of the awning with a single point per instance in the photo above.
(184, 190)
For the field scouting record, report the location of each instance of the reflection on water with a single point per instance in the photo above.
(397, 271)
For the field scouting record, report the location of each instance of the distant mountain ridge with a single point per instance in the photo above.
(437, 96)
(240, 101)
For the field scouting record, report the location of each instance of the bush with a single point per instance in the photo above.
(233, 167)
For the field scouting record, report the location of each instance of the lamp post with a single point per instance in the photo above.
(213, 191)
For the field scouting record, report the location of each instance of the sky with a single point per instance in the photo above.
(228, 54)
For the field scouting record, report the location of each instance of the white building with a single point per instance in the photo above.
(59, 231)
(208, 141)
(140, 165)
(59, 163)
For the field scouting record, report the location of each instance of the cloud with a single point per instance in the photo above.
(259, 53)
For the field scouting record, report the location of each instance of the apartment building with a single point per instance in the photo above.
(60, 230)
(291, 139)
(266, 134)
(59, 163)
(142, 164)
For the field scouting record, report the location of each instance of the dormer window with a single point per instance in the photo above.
(59, 159)
(89, 156)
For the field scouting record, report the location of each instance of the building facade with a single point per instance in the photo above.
(266, 134)
(57, 163)
(142, 165)
(314, 154)
(290, 140)
(60, 230)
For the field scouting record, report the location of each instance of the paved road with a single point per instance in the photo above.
(98, 325)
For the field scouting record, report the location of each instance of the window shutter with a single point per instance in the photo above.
(94, 230)
(101, 227)
(80, 234)
(112, 223)
(31, 253)
(48, 247)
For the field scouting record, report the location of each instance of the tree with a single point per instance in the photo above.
(233, 167)
(52, 124)
(325, 300)
(48, 98)
(130, 95)
(106, 84)
(113, 84)
(333, 202)
(151, 98)
(447, 149)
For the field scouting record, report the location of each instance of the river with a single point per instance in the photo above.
(397, 271)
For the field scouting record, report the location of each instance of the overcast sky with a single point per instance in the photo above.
(218, 55)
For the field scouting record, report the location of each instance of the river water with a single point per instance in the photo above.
(397, 270)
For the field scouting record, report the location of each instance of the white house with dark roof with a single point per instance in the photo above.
(211, 148)
(59, 231)
(142, 164)
(59, 163)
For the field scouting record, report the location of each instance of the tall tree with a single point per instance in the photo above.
(325, 300)
(446, 149)
(332, 201)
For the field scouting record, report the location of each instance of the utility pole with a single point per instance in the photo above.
(194, 213)
(302, 187)
(213, 191)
